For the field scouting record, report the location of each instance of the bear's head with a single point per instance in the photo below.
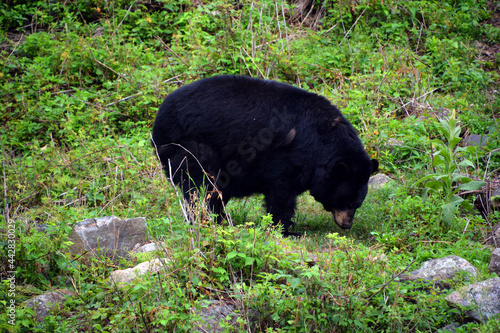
(342, 188)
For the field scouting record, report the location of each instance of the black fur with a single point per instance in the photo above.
(259, 136)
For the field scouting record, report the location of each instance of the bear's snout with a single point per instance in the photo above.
(344, 218)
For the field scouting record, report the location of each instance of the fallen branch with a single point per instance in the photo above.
(414, 99)
(111, 69)
(394, 276)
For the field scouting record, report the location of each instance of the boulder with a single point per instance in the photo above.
(440, 271)
(124, 276)
(44, 303)
(379, 180)
(110, 236)
(481, 300)
(494, 266)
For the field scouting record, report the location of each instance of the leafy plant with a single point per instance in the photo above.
(448, 157)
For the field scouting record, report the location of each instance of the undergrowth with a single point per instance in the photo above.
(81, 82)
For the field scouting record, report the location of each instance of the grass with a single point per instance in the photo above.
(81, 82)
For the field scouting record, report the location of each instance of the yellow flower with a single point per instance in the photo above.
(149, 20)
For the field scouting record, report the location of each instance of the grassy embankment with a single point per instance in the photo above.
(81, 82)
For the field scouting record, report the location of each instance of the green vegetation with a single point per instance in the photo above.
(80, 84)
(446, 161)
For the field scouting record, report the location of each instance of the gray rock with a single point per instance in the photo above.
(482, 297)
(442, 270)
(450, 328)
(213, 313)
(495, 197)
(495, 202)
(476, 140)
(442, 113)
(394, 142)
(379, 180)
(41, 227)
(110, 235)
(494, 239)
(494, 266)
(43, 304)
(124, 276)
(150, 247)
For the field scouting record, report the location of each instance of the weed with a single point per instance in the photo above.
(447, 159)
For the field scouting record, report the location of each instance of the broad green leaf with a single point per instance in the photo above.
(460, 178)
(294, 283)
(472, 185)
(434, 184)
(466, 163)
(249, 261)
(456, 200)
(453, 142)
(448, 212)
(466, 204)
(471, 149)
(423, 179)
(232, 254)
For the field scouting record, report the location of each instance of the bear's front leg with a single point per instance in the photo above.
(281, 205)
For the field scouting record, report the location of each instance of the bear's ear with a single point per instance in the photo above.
(374, 165)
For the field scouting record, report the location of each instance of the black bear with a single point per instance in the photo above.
(246, 135)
